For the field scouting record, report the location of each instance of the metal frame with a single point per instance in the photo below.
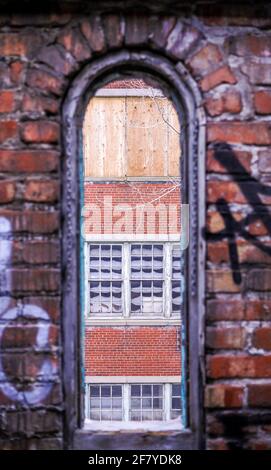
(180, 87)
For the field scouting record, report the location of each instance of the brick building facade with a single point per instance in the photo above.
(225, 49)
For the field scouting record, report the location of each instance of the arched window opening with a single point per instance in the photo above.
(133, 263)
(133, 285)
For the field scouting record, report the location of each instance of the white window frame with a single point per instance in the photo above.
(126, 316)
(126, 382)
(100, 409)
(88, 279)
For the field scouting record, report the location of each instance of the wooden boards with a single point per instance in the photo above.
(131, 136)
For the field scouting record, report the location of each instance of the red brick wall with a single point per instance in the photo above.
(143, 350)
(226, 48)
(139, 196)
(132, 350)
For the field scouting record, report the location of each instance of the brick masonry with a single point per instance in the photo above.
(132, 351)
(227, 51)
(132, 208)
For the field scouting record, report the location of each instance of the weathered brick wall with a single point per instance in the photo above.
(137, 351)
(227, 50)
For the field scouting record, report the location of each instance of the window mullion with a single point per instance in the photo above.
(126, 279)
(87, 275)
(167, 401)
(167, 277)
(126, 402)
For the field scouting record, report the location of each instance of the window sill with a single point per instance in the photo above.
(85, 439)
(132, 321)
(138, 426)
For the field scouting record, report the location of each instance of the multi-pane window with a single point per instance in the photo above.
(105, 402)
(146, 402)
(105, 279)
(133, 279)
(147, 278)
(134, 402)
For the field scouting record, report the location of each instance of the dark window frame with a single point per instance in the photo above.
(181, 88)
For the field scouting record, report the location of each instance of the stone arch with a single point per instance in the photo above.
(178, 39)
(82, 40)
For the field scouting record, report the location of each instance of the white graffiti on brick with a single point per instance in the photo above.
(5, 256)
(42, 386)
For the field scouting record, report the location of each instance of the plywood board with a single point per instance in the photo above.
(131, 136)
(104, 137)
(174, 148)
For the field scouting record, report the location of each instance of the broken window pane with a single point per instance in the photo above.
(105, 265)
(147, 295)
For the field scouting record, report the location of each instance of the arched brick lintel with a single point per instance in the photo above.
(178, 39)
(82, 40)
(174, 79)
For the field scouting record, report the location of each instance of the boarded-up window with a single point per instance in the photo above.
(140, 136)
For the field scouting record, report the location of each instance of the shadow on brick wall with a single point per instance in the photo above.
(251, 189)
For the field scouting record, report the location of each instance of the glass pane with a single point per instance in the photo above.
(175, 414)
(105, 249)
(146, 415)
(136, 403)
(158, 307)
(176, 389)
(117, 415)
(116, 391)
(94, 414)
(176, 403)
(135, 416)
(146, 403)
(95, 402)
(136, 249)
(94, 250)
(106, 403)
(106, 415)
(117, 403)
(105, 391)
(157, 390)
(116, 268)
(146, 249)
(116, 250)
(146, 390)
(135, 390)
(94, 391)
(157, 403)
(157, 415)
